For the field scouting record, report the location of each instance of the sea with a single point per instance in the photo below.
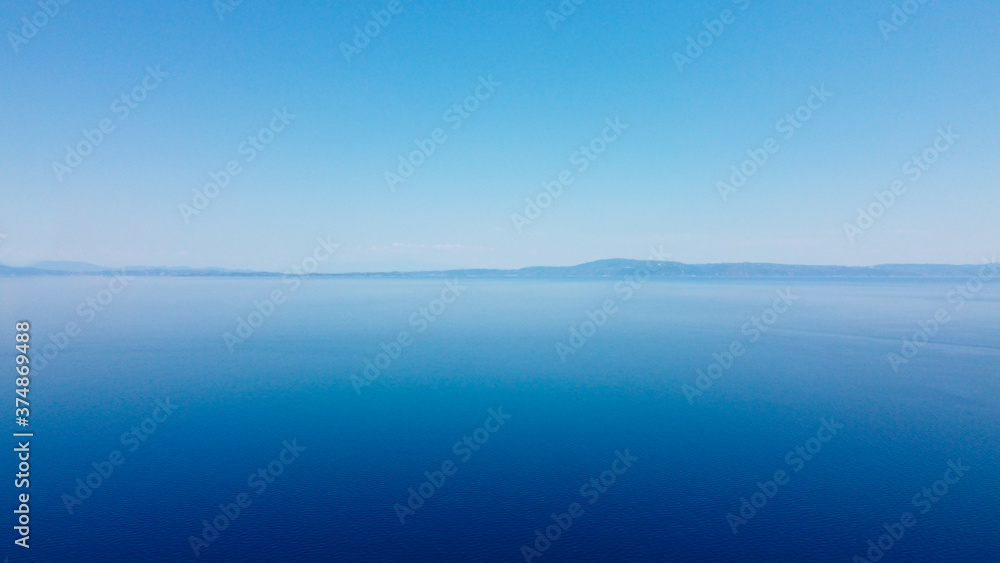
(503, 419)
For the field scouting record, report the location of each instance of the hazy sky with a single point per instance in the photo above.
(197, 85)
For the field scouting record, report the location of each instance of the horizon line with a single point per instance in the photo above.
(46, 267)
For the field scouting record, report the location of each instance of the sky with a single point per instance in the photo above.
(312, 120)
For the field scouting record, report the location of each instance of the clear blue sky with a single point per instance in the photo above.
(655, 185)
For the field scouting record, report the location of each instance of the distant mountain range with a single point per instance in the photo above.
(600, 268)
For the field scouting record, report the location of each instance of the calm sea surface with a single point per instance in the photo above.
(501, 401)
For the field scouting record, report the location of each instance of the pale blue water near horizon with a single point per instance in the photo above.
(494, 347)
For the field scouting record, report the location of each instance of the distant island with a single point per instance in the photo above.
(598, 269)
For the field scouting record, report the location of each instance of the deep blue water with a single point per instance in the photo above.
(494, 347)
